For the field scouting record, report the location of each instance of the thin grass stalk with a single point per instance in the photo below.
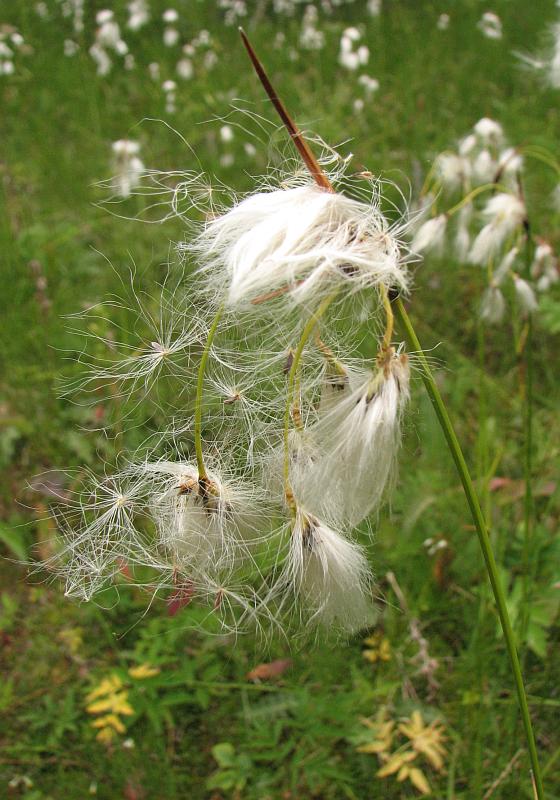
(448, 431)
(482, 533)
(202, 475)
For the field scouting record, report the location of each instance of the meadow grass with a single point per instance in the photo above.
(199, 727)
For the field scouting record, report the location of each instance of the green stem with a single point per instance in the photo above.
(484, 540)
(527, 470)
(306, 333)
(199, 388)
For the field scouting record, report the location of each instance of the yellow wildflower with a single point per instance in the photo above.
(107, 686)
(106, 735)
(379, 648)
(109, 720)
(116, 703)
(425, 739)
(143, 671)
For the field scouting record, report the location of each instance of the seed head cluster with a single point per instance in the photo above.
(256, 499)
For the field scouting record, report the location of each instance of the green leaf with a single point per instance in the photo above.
(15, 540)
(224, 753)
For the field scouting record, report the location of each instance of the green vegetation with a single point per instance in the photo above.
(204, 717)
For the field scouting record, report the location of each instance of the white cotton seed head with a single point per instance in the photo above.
(329, 576)
(491, 25)
(505, 266)
(462, 235)
(353, 465)
(467, 145)
(205, 525)
(510, 163)
(484, 167)
(493, 306)
(305, 240)
(453, 171)
(525, 295)
(430, 236)
(505, 213)
(489, 132)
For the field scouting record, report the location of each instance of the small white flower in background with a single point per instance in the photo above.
(371, 85)
(70, 47)
(358, 105)
(226, 133)
(374, 8)
(170, 37)
(42, 10)
(544, 267)
(505, 266)
(311, 38)
(185, 69)
(169, 88)
(467, 145)
(234, 10)
(462, 235)
(484, 167)
(101, 58)
(491, 25)
(349, 57)
(128, 166)
(505, 213)
(154, 70)
(443, 22)
(489, 132)
(493, 306)
(430, 237)
(109, 34)
(139, 14)
(525, 295)
(170, 16)
(453, 171)
(129, 62)
(510, 164)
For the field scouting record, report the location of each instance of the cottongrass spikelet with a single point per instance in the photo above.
(430, 236)
(489, 132)
(303, 240)
(452, 170)
(493, 306)
(127, 165)
(357, 443)
(462, 241)
(328, 574)
(491, 25)
(505, 213)
(526, 298)
(207, 523)
(505, 266)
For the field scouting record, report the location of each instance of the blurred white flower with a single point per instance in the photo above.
(493, 306)
(185, 69)
(526, 298)
(491, 25)
(128, 166)
(430, 236)
(504, 212)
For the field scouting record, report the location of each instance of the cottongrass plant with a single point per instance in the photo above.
(270, 538)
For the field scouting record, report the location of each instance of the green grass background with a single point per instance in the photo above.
(293, 737)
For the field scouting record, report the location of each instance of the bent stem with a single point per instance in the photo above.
(202, 476)
(304, 338)
(482, 533)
